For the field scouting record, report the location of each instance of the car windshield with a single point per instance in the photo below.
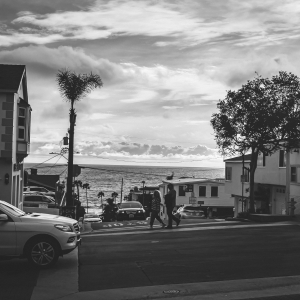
(91, 216)
(192, 208)
(130, 205)
(12, 209)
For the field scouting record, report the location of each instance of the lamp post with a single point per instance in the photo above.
(143, 182)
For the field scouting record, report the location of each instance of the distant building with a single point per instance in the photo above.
(209, 193)
(15, 115)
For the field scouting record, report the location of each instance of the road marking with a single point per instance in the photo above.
(189, 229)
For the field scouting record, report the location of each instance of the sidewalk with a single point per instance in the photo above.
(61, 282)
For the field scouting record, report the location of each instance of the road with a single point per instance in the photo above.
(160, 257)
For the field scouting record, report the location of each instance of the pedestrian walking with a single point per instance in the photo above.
(155, 209)
(170, 201)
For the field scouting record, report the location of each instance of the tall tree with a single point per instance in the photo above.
(261, 117)
(73, 87)
(86, 186)
(100, 195)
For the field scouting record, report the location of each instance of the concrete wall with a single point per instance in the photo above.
(271, 173)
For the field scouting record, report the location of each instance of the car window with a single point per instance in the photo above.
(130, 205)
(192, 208)
(13, 210)
(45, 199)
(33, 198)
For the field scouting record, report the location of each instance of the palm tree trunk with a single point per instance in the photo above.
(70, 201)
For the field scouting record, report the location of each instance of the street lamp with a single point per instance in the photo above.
(143, 182)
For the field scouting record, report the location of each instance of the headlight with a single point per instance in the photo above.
(64, 228)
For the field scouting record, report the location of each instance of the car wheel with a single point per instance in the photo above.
(43, 253)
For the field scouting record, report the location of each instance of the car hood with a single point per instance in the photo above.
(47, 218)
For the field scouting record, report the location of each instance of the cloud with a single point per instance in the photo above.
(197, 22)
(127, 149)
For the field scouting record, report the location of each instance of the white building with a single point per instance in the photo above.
(209, 193)
(277, 182)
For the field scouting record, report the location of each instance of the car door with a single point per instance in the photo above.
(8, 236)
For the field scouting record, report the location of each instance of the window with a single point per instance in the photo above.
(202, 191)
(228, 173)
(246, 176)
(214, 191)
(282, 159)
(261, 160)
(293, 174)
(182, 190)
(21, 123)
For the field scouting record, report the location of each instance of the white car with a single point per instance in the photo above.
(91, 218)
(41, 238)
(190, 212)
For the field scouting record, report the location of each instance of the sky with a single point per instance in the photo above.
(164, 67)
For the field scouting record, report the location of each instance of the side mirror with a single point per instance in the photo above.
(3, 217)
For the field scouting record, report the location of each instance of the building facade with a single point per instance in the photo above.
(277, 182)
(15, 119)
(209, 193)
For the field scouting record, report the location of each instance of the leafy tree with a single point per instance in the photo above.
(261, 117)
(73, 87)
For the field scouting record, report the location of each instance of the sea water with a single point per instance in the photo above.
(108, 179)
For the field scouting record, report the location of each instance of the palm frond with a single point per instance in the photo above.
(74, 86)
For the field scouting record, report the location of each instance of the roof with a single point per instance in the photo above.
(247, 157)
(193, 180)
(11, 76)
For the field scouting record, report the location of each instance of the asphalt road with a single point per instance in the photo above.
(171, 257)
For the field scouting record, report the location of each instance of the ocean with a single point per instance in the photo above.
(108, 178)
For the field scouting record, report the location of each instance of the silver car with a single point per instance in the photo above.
(41, 238)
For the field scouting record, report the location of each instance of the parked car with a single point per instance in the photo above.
(41, 238)
(39, 189)
(130, 210)
(190, 211)
(35, 199)
(91, 218)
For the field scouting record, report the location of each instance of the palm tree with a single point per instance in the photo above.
(78, 183)
(114, 195)
(73, 87)
(100, 195)
(86, 186)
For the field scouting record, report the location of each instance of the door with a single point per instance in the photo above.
(8, 237)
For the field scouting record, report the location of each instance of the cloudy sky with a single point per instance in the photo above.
(164, 66)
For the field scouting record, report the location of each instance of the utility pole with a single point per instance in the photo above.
(70, 200)
(121, 190)
(288, 182)
(143, 182)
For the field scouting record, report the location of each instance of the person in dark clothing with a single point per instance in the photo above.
(155, 209)
(80, 211)
(170, 201)
(110, 211)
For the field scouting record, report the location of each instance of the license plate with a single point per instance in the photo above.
(131, 216)
(197, 214)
